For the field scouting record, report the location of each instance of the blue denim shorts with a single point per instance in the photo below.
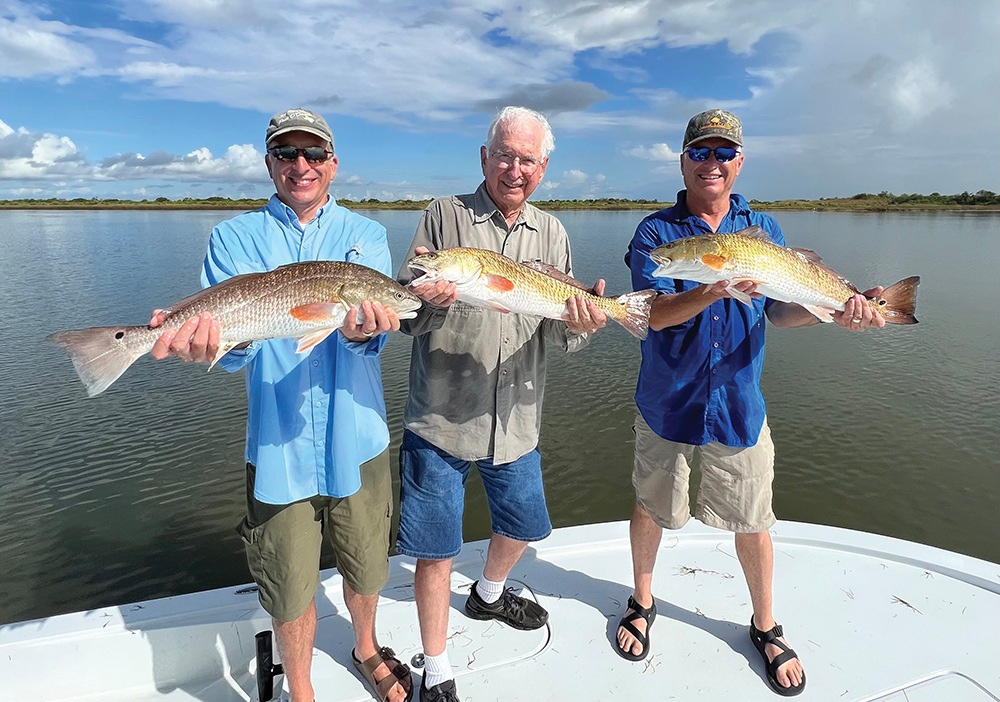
(432, 499)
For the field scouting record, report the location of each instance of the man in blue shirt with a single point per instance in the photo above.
(317, 440)
(699, 395)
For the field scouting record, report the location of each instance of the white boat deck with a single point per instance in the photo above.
(872, 618)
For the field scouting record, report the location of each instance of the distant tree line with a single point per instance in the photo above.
(861, 201)
(982, 197)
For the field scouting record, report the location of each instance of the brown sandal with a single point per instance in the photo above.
(398, 673)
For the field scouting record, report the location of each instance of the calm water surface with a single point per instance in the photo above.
(135, 494)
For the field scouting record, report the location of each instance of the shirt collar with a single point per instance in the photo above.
(483, 208)
(286, 215)
(679, 212)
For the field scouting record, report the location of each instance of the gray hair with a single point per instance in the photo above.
(513, 115)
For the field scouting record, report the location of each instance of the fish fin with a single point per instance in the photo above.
(316, 311)
(98, 355)
(224, 348)
(713, 261)
(553, 272)
(898, 303)
(739, 295)
(755, 232)
(308, 341)
(498, 283)
(637, 306)
(755, 281)
(497, 307)
(823, 314)
(807, 255)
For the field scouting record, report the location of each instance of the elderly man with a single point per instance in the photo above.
(316, 455)
(699, 395)
(477, 379)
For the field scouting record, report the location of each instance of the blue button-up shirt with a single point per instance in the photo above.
(312, 418)
(700, 380)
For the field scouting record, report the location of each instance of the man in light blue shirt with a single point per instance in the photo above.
(317, 439)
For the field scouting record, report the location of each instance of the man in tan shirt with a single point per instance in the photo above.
(477, 380)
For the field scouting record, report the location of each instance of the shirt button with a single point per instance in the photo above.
(319, 404)
(505, 372)
(315, 363)
(716, 344)
(716, 318)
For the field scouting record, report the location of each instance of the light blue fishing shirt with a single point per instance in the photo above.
(312, 418)
(699, 380)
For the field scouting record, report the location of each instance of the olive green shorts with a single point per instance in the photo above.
(283, 542)
(735, 489)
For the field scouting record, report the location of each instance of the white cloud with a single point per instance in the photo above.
(656, 152)
(574, 177)
(26, 155)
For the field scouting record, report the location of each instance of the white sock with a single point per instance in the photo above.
(437, 669)
(490, 591)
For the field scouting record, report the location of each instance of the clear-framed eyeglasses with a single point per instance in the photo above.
(506, 159)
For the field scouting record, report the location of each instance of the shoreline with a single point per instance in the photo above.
(832, 205)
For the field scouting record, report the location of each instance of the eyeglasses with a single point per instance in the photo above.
(723, 154)
(506, 159)
(312, 154)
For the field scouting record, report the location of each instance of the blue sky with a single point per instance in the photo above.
(151, 98)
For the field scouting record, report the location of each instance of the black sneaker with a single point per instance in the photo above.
(442, 692)
(509, 609)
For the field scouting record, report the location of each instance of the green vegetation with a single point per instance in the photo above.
(885, 201)
(984, 200)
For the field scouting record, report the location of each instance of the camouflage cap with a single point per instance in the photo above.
(298, 120)
(714, 123)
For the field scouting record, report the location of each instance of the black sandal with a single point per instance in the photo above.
(760, 641)
(644, 613)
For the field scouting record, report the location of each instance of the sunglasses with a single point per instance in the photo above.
(312, 154)
(723, 154)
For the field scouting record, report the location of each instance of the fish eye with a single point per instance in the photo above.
(399, 295)
(119, 335)
(881, 303)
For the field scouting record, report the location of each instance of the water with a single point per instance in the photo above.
(135, 494)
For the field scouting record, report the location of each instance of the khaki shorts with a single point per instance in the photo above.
(735, 489)
(283, 542)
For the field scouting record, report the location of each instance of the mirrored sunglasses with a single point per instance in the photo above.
(723, 154)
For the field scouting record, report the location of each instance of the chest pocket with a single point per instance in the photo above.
(355, 254)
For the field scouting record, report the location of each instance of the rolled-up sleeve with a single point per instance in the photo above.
(429, 317)
(219, 266)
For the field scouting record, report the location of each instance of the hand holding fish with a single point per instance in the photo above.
(376, 319)
(441, 293)
(858, 315)
(583, 316)
(196, 340)
(721, 289)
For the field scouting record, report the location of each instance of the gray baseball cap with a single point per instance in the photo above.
(714, 123)
(298, 120)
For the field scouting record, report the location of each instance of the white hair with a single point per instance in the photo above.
(513, 115)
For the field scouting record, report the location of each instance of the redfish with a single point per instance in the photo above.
(491, 280)
(306, 301)
(788, 275)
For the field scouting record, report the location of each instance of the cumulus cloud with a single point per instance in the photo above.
(656, 152)
(841, 80)
(28, 155)
(574, 177)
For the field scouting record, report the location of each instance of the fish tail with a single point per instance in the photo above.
(636, 314)
(99, 354)
(900, 302)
